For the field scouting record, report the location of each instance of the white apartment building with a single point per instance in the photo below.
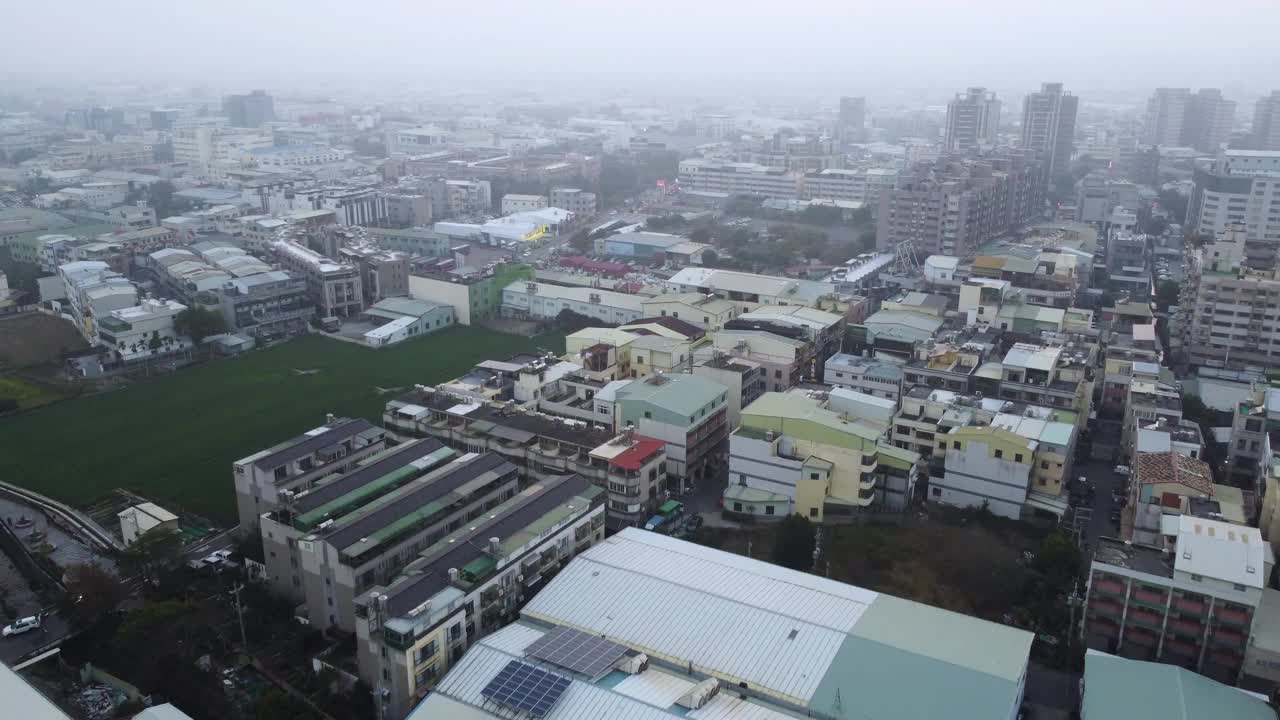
(143, 331)
(335, 287)
(514, 202)
(1242, 186)
(735, 178)
(93, 290)
(205, 148)
(416, 140)
(545, 302)
(862, 185)
(285, 157)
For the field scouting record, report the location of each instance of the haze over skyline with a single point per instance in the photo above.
(715, 47)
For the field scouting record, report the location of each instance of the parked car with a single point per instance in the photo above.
(22, 625)
(214, 560)
(1122, 470)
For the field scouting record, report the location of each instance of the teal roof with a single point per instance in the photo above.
(903, 659)
(1117, 688)
(680, 394)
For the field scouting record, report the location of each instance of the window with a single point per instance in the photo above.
(999, 453)
(768, 509)
(955, 444)
(1044, 464)
(777, 373)
(1197, 578)
(648, 414)
(675, 315)
(937, 492)
(1017, 457)
(737, 507)
(813, 512)
(1238, 587)
(1043, 482)
(813, 476)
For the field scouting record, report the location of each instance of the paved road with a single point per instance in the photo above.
(222, 541)
(17, 648)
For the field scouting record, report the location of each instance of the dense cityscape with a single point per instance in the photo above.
(588, 403)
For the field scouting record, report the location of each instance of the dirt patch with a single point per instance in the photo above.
(36, 339)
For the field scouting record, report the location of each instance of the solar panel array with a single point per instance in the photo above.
(577, 651)
(521, 686)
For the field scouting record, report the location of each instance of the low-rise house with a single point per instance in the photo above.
(880, 379)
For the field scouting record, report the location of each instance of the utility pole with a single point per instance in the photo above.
(244, 640)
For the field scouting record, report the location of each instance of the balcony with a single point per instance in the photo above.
(1232, 617)
(1227, 638)
(1106, 608)
(1109, 587)
(1190, 607)
(1142, 636)
(1180, 650)
(1186, 629)
(1146, 598)
(1144, 619)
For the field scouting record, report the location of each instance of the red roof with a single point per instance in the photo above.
(600, 266)
(641, 450)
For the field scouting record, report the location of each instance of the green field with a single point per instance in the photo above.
(173, 438)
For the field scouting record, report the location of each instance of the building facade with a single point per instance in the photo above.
(1049, 126)
(973, 118)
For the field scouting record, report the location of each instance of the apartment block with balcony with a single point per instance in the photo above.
(1234, 319)
(1125, 351)
(795, 453)
(635, 477)
(984, 466)
(414, 629)
(373, 540)
(1058, 376)
(1150, 399)
(687, 412)
(1190, 604)
(879, 379)
(335, 288)
(1249, 454)
(295, 465)
(951, 360)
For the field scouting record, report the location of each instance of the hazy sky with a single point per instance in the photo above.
(843, 46)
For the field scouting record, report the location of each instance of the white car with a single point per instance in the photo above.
(1122, 470)
(214, 560)
(26, 624)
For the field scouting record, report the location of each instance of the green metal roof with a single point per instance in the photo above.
(479, 567)
(362, 495)
(670, 506)
(801, 417)
(899, 647)
(1117, 688)
(550, 519)
(680, 394)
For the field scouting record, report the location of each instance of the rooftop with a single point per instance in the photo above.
(816, 646)
(1216, 549)
(1172, 467)
(1164, 692)
(308, 443)
(679, 393)
(788, 407)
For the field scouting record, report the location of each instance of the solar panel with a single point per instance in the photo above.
(577, 651)
(521, 686)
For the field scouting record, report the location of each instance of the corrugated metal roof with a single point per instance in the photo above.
(629, 588)
(1121, 689)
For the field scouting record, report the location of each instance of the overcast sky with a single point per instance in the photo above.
(840, 46)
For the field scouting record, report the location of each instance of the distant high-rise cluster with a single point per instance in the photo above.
(1049, 126)
(973, 117)
(851, 120)
(1266, 122)
(1178, 117)
(250, 111)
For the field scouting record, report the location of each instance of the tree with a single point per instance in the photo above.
(152, 552)
(22, 155)
(1157, 226)
(796, 542)
(154, 343)
(1175, 203)
(580, 241)
(700, 235)
(710, 258)
(1194, 409)
(93, 593)
(277, 705)
(199, 323)
(1167, 294)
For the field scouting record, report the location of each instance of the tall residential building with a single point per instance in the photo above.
(851, 120)
(1166, 110)
(1208, 122)
(973, 117)
(249, 111)
(1266, 122)
(1242, 186)
(954, 205)
(1049, 126)
(1192, 604)
(1233, 322)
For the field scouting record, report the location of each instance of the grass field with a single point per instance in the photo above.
(173, 438)
(25, 392)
